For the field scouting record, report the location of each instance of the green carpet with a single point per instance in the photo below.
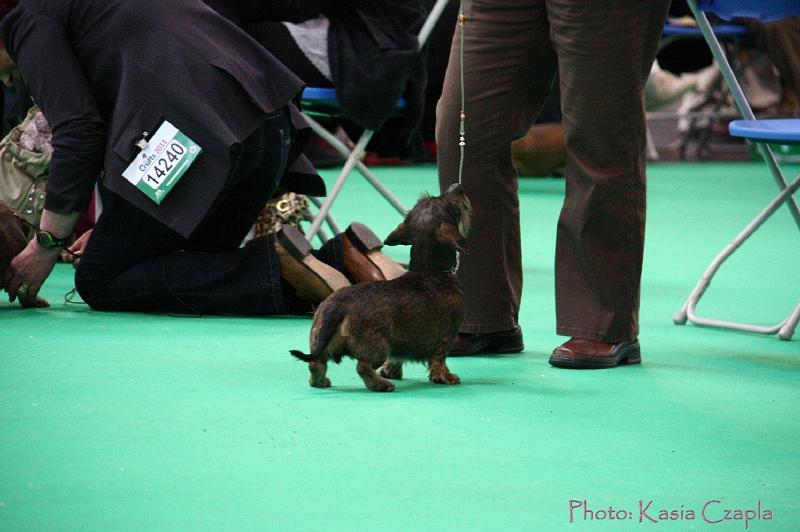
(141, 422)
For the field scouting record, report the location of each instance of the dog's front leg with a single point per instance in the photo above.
(319, 369)
(439, 372)
(371, 379)
(392, 369)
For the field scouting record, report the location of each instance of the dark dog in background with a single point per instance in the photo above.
(414, 317)
(12, 237)
(12, 242)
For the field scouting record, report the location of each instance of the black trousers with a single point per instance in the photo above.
(135, 263)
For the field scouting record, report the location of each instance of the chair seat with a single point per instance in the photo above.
(322, 101)
(763, 10)
(722, 30)
(779, 130)
(320, 94)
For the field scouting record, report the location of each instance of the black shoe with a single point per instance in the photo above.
(498, 343)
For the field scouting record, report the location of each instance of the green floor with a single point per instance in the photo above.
(136, 422)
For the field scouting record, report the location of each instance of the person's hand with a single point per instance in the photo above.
(75, 251)
(27, 274)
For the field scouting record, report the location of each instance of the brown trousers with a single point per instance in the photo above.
(603, 51)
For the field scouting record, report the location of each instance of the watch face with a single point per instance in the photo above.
(44, 239)
(48, 241)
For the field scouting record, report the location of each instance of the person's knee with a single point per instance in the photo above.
(90, 287)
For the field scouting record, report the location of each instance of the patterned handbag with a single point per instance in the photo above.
(287, 208)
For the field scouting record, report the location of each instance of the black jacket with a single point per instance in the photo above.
(104, 71)
(246, 11)
(373, 55)
(374, 58)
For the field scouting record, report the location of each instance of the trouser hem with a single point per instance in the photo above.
(588, 334)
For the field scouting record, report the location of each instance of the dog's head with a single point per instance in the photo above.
(437, 225)
(12, 237)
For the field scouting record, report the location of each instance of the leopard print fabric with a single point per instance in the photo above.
(287, 208)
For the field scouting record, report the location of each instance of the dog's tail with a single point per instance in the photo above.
(331, 320)
(302, 356)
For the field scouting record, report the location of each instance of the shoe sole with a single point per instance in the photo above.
(626, 357)
(508, 351)
(506, 346)
(295, 243)
(370, 246)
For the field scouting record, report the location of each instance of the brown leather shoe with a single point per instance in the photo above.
(312, 279)
(578, 353)
(363, 259)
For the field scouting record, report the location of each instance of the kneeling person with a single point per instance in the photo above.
(192, 127)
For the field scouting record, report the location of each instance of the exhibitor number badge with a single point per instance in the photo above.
(162, 162)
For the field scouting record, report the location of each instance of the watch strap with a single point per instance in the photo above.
(48, 241)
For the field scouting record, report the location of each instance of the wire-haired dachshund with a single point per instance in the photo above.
(414, 317)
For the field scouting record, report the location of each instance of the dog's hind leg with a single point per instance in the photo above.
(392, 369)
(439, 372)
(318, 369)
(370, 378)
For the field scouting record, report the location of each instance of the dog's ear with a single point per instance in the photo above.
(450, 235)
(400, 236)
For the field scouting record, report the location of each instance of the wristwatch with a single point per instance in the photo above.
(48, 241)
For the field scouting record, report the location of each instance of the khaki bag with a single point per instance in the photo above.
(25, 155)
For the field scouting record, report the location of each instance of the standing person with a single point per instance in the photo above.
(160, 93)
(603, 53)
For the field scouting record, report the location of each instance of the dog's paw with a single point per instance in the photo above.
(392, 371)
(381, 386)
(445, 378)
(324, 383)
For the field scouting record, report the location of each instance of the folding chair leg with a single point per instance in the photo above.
(354, 160)
(687, 311)
(345, 151)
(430, 21)
(772, 162)
(385, 192)
(329, 220)
(356, 153)
(787, 331)
(652, 152)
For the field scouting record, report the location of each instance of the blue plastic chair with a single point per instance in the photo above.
(761, 133)
(322, 102)
(763, 10)
(720, 30)
(783, 131)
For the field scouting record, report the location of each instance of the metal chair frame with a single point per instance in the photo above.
(785, 329)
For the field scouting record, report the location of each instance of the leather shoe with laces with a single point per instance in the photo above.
(578, 353)
(497, 343)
